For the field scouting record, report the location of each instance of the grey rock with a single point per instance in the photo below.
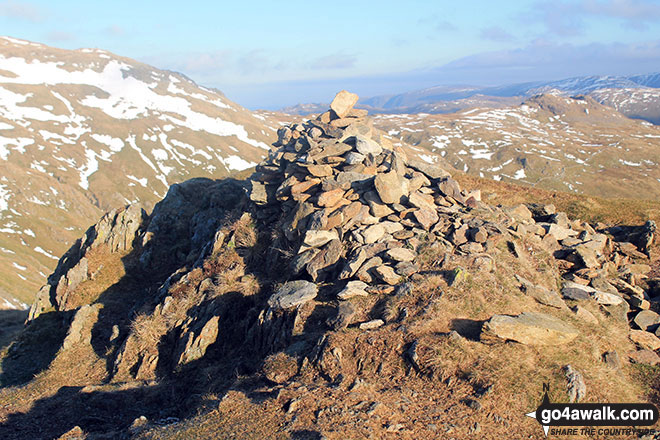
(575, 386)
(528, 328)
(647, 320)
(293, 294)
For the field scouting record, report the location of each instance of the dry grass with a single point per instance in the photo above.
(591, 209)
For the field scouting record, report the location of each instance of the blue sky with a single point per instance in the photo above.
(266, 54)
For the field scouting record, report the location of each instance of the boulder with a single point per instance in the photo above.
(528, 328)
(293, 294)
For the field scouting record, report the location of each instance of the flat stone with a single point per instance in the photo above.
(645, 339)
(293, 294)
(528, 328)
(585, 315)
(586, 257)
(373, 233)
(392, 227)
(557, 231)
(328, 256)
(647, 357)
(575, 291)
(400, 254)
(366, 146)
(353, 289)
(422, 201)
(376, 206)
(426, 217)
(389, 187)
(353, 158)
(373, 324)
(520, 213)
(432, 171)
(330, 198)
(343, 103)
(647, 320)
(320, 170)
(478, 235)
(318, 238)
(545, 296)
(388, 275)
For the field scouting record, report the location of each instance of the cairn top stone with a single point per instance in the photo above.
(343, 103)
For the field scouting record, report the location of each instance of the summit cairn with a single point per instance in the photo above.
(350, 205)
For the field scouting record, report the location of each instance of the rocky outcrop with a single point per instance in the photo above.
(117, 231)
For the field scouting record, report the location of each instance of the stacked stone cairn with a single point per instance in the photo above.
(353, 210)
(355, 207)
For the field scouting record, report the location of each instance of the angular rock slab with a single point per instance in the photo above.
(343, 103)
(528, 328)
(293, 294)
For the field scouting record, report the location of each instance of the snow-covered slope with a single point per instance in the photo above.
(551, 141)
(635, 96)
(85, 131)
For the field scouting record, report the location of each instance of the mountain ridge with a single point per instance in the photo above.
(85, 131)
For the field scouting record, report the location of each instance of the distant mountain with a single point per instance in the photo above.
(85, 131)
(636, 96)
(551, 141)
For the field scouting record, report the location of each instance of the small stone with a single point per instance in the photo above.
(647, 357)
(293, 294)
(585, 315)
(373, 233)
(353, 289)
(373, 324)
(575, 291)
(612, 360)
(645, 339)
(330, 198)
(387, 275)
(389, 187)
(426, 217)
(318, 238)
(400, 254)
(520, 213)
(366, 146)
(576, 387)
(353, 158)
(320, 170)
(478, 235)
(422, 201)
(647, 320)
(343, 103)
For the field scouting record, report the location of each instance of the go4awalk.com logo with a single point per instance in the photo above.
(591, 418)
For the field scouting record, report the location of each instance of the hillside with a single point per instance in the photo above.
(636, 96)
(550, 141)
(345, 290)
(83, 132)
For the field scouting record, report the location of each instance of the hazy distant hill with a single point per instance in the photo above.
(636, 96)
